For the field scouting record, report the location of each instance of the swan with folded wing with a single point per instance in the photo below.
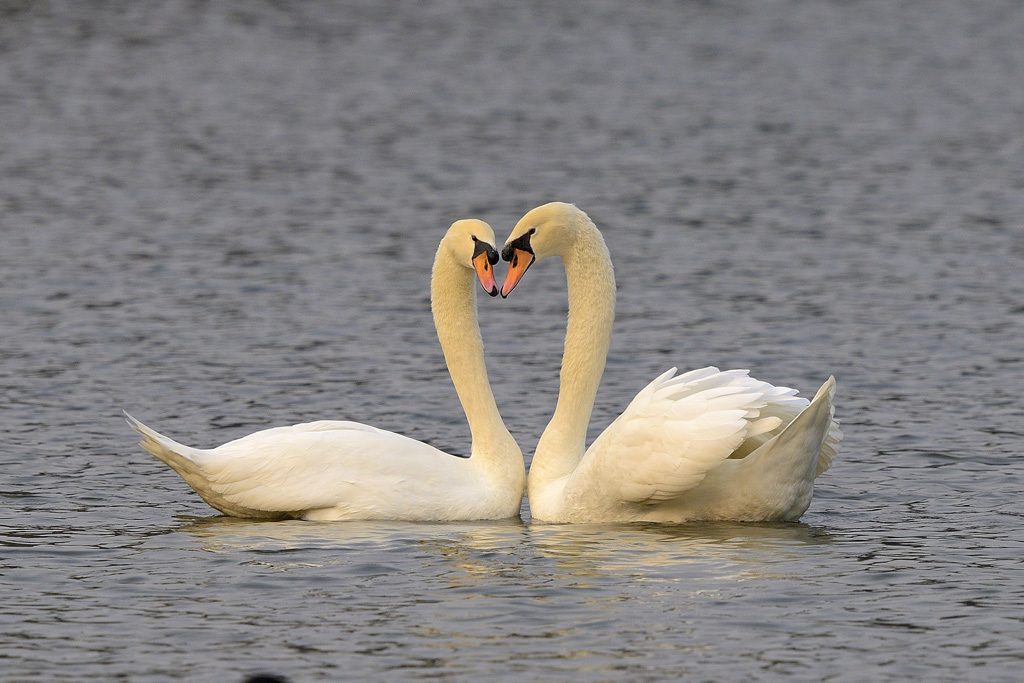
(332, 470)
(704, 445)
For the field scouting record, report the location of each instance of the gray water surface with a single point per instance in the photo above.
(221, 217)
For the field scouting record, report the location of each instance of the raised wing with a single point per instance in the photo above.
(676, 430)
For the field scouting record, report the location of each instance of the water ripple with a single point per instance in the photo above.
(222, 216)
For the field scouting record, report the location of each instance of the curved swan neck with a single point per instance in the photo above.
(591, 282)
(453, 303)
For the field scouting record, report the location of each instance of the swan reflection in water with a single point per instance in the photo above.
(731, 550)
(468, 553)
(406, 591)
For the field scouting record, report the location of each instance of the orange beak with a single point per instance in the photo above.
(521, 262)
(485, 271)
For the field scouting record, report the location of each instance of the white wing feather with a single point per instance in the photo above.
(678, 428)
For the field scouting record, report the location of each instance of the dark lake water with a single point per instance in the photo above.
(221, 217)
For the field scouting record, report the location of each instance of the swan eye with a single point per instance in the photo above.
(533, 231)
(480, 247)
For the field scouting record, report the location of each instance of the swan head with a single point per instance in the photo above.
(548, 230)
(471, 244)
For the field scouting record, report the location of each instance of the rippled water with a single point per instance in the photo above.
(222, 216)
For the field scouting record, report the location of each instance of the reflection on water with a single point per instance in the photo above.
(543, 551)
(737, 551)
(228, 535)
(567, 595)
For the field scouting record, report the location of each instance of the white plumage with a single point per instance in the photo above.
(704, 445)
(346, 470)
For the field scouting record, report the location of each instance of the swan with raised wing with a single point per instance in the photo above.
(704, 445)
(345, 470)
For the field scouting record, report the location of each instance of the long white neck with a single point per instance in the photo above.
(453, 303)
(591, 282)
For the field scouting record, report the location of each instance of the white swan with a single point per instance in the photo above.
(346, 470)
(706, 445)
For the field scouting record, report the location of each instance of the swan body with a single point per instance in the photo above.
(330, 470)
(704, 445)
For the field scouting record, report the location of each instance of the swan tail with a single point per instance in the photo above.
(168, 451)
(804, 437)
(187, 462)
(830, 447)
(786, 465)
(180, 458)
